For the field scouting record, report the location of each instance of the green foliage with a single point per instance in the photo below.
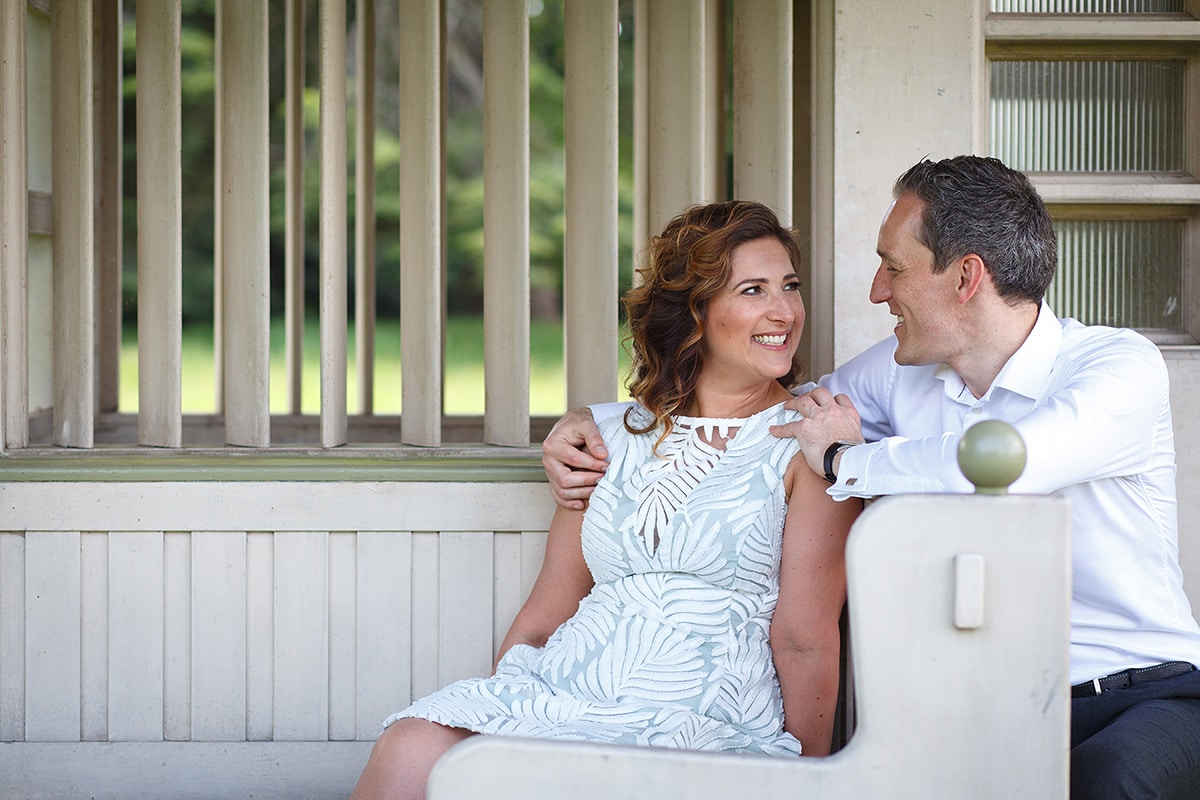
(464, 160)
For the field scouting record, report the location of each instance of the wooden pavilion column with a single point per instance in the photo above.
(160, 226)
(293, 127)
(590, 271)
(364, 205)
(108, 108)
(762, 104)
(333, 223)
(245, 212)
(506, 222)
(422, 68)
(14, 231)
(677, 155)
(73, 202)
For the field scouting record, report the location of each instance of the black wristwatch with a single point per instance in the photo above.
(830, 453)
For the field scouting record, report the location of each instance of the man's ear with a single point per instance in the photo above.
(972, 273)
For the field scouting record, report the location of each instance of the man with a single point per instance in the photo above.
(966, 253)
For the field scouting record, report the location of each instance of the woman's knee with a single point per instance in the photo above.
(418, 739)
(403, 757)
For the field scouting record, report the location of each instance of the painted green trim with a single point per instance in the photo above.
(176, 466)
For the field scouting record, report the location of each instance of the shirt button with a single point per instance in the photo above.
(977, 410)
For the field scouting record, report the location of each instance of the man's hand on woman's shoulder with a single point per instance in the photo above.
(825, 419)
(574, 457)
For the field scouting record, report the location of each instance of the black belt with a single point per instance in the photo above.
(1130, 677)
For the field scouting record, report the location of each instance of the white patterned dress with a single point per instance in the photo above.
(670, 648)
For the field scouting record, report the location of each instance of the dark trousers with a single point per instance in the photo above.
(1142, 741)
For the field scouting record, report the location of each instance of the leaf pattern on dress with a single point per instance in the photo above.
(684, 459)
(671, 647)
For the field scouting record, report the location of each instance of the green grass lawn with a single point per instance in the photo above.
(463, 379)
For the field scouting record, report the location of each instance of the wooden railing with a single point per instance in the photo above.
(72, 376)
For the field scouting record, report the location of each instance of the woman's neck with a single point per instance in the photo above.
(716, 402)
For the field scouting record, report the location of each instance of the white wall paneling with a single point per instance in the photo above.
(52, 647)
(141, 630)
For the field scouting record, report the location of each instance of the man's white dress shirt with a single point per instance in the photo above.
(1092, 405)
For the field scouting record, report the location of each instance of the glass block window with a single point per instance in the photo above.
(1119, 272)
(1087, 6)
(1088, 116)
(1097, 100)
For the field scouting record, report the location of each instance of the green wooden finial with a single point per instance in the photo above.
(991, 455)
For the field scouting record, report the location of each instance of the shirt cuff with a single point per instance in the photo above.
(852, 472)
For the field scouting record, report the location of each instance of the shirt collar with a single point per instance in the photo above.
(1027, 370)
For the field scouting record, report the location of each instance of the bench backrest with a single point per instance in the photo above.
(959, 628)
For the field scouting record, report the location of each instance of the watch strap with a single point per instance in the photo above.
(830, 454)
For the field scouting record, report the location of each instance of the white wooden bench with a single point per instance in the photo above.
(958, 616)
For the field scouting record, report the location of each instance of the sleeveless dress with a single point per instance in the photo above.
(670, 648)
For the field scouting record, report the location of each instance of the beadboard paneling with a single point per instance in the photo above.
(116, 631)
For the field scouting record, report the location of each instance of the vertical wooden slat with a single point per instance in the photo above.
(506, 584)
(108, 110)
(135, 654)
(12, 637)
(218, 216)
(301, 635)
(677, 135)
(590, 271)
(177, 636)
(293, 127)
(52, 647)
(821, 298)
(14, 205)
(384, 629)
(762, 104)
(533, 551)
(333, 222)
(93, 637)
(715, 71)
(364, 206)
(74, 302)
(218, 669)
(426, 600)
(803, 168)
(343, 675)
(465, 607)
(506, 222)
(160, 226)
(421, 208)
(260, 636)
(517, 561)
(245, 216)
(641, 129)
(39, 327)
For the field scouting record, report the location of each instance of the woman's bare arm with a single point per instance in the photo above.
(805, 640)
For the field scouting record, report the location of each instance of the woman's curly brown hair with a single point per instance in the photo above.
(682, 269)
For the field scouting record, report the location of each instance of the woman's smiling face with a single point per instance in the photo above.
(752, 327)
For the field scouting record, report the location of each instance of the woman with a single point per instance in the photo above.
(695, 603)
